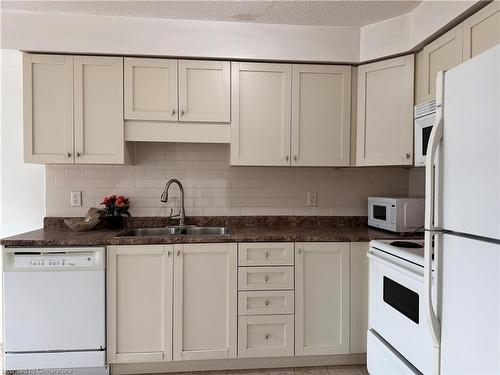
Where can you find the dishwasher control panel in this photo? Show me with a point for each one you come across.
(54, 261)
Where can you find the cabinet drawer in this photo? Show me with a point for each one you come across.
(265, 336)
(266, 302)
(265, 254)
(262, 278)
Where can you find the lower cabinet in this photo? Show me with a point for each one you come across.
(154, 288)
(193, 302)
(321, 298)
(205, 301)
(265, 336)
(139, 303)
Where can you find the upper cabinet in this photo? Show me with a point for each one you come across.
(204, 91)
(73, 111)
(476, 34)
(177, 100)
(150, 89)
(321, 115)
(286, 115)
(385, 112)
(261, 109)
(481, 31)
(98, 110)
(177, 90)
(442, 54)
(48, 109)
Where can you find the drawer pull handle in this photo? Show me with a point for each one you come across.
(267, 279)
(268, 336)
(267, 303)
(267, 254)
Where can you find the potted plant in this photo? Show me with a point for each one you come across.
(114, 210)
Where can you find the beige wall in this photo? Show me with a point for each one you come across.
(214, 188)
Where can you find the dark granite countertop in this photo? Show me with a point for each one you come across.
(243, 229)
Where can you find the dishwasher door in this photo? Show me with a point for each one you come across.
(54, 300)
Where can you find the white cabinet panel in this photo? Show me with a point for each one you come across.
(321, 115)
(48, 108)
(139, 303)
(269, 302)
(98, 103)
(385, 113)
(260, 130)
(321, 298)
(359, 296)
(265, 336)
(442, 54)
(265, 278)
(481, 31)
(205, 301)
(150, 89)
(265, 254)
(204, 91)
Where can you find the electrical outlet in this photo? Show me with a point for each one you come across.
(76, 199)
(312, 199)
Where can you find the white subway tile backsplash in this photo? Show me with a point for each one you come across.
(212, 187)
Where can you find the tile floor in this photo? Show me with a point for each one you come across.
(331, 370)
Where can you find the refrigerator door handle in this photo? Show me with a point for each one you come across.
(432, 318)
(434, 140)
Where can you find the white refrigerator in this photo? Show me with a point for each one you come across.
(463, 219)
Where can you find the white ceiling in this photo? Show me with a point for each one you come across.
(317, 13)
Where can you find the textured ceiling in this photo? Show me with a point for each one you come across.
(318, 13)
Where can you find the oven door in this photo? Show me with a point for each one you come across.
(423, 128)
(396, 308)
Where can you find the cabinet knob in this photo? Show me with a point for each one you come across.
(268, 336)
(286, 158)
(169, 253)
(295, 158)
(178, 252)
(173, 112)
(300, 251)
(78, 155)
(266, 278)
(407, 155)
(267, 254)
(69, 154)
(267, 302)
(182, 112)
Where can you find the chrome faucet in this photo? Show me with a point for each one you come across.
(164, 199)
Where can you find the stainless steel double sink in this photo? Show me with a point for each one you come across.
(186, 230)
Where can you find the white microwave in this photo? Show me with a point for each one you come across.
(396, 214)
(425, 117)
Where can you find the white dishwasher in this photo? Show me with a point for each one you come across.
(54, 308)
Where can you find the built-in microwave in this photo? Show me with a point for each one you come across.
(425, 116)
(396, 214)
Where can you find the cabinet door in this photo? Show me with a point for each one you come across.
(260, 130)
(98, 95)
(442, 54)
(359, 296)
(150, 89)
(481, 31)
(385, 112)
(321, 115)
(48, 108)
(139, 303)
(321, 298)
(204, 91)
(205, 301)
